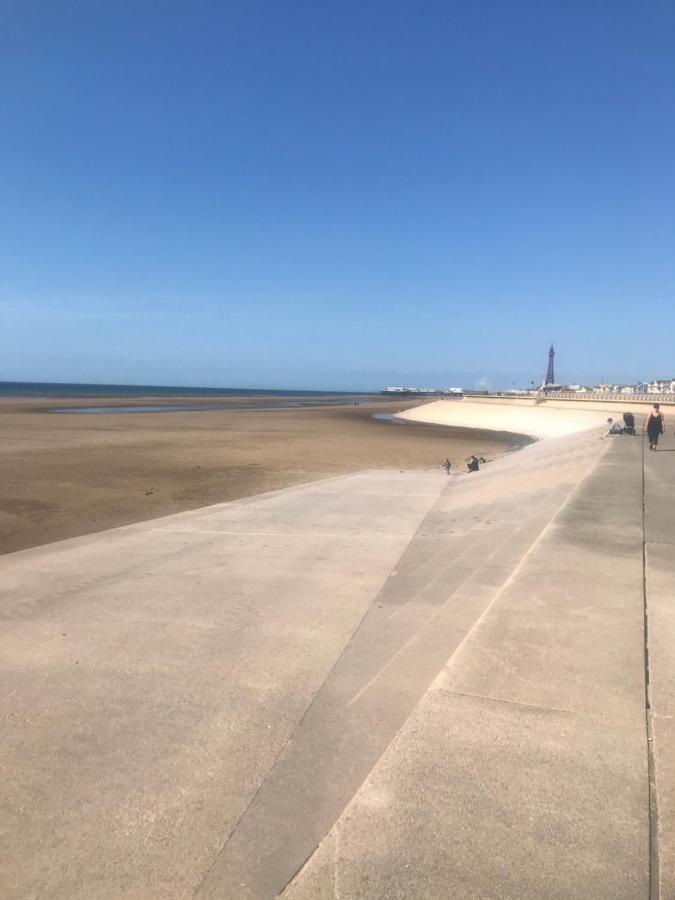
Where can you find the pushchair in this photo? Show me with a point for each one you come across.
(628, 423)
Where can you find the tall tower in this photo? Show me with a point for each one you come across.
(550, 378)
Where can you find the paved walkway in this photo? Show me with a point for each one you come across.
(151, 675)
(385, 685)
(541, 421)
(522, 773)
(660, 588)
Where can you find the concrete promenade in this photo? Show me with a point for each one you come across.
(516, 416)
(659, 471)
(386, 685)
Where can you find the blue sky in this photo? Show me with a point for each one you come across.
(336, 195)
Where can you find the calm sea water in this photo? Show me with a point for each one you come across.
(49, 389)
(276, 399)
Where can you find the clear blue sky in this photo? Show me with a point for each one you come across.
(336, 194)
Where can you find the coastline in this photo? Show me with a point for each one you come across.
(513, 439)
(65, 475)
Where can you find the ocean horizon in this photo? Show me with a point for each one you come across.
(75, 389)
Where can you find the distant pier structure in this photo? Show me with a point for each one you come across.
(550, 377)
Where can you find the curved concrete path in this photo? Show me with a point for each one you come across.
(517, 417)
(392, 684)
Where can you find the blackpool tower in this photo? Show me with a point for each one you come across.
(550, 378)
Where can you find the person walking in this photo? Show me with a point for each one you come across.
(654, 426)
(446, 465)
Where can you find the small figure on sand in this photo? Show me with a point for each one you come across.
(654, 426)
(472, 464)
(446, 465)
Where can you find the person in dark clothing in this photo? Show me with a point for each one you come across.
(472, 465)
(654, 426)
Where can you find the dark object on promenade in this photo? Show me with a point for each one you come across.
(446, 465)
(472, 464)
(654, 426)
(628, 423)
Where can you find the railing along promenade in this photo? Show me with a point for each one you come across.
(610, 395)
(604, 396)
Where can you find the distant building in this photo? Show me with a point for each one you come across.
(454, 392)
(550, 376)
(550, 383)
(605, 388)
(661, 386)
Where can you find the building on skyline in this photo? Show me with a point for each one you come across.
(550, 376)
(550, 382)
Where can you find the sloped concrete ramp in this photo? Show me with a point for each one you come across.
(523, 772)
(392, 684)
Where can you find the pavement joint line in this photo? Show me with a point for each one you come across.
(298, 725)
(451, 565)
(474, 529)
(652, 794)
(286, 534)
(525, 558)
(153, 522)
(435, 615)
(509, 702)
(564, 502)
(252, 840)
(489, 516)
(337, 893)
(310, 487)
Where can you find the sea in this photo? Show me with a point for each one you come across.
(278, 399)
(54, 389)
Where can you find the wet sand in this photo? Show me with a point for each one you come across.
(64, 475)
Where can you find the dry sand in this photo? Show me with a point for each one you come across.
(67, 475)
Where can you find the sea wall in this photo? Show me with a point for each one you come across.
(635, 403)
(520, 417)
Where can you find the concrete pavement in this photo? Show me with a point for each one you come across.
(151, 675)
(522, 772)
(518, 417)
(659, 471)
(384, 685)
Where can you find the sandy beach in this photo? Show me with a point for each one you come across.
(64, 475)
